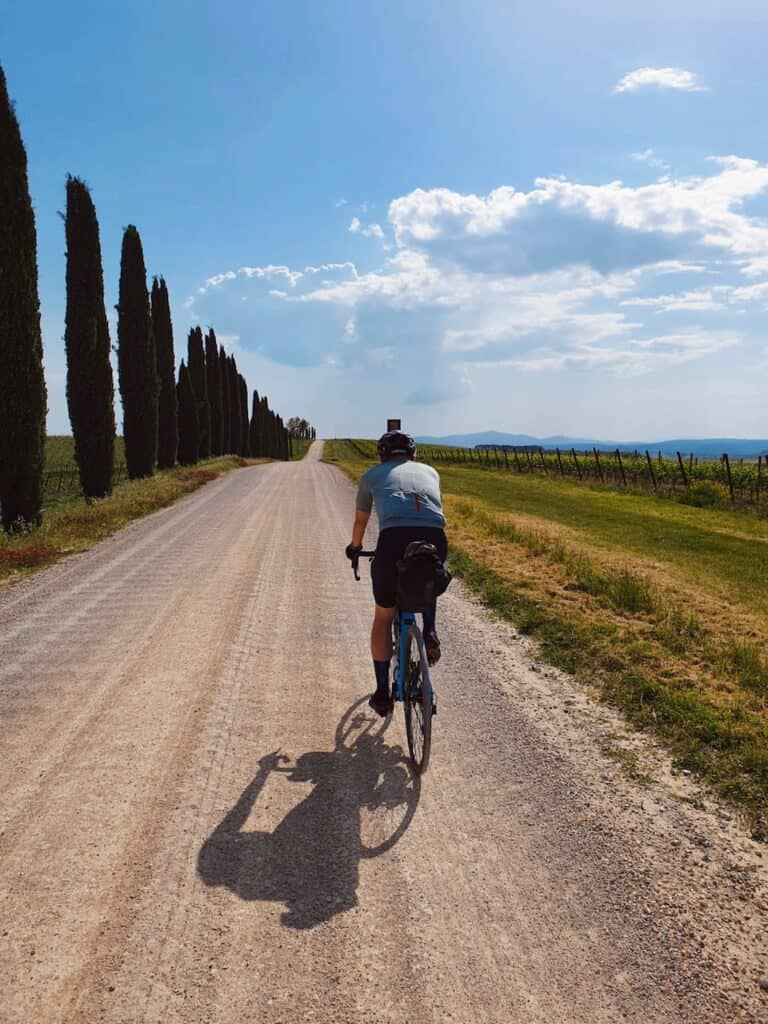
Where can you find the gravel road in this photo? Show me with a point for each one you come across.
(201, 822)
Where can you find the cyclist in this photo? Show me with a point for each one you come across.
(409, 507)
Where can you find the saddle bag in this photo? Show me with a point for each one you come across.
(421, 577)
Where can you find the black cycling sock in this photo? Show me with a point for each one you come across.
(429, 616)
(381, 668)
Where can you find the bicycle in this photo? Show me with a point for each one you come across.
(411, 684)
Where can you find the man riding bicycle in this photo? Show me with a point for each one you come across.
(409, 508)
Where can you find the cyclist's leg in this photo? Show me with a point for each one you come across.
(429, 616)
(384, 578)
(381, 633)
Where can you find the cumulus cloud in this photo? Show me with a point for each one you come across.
(659, 78)
(564, 276)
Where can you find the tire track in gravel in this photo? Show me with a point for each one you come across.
(203, 823)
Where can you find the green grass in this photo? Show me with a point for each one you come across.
(725, 551)
(300, 447)
(658, 607)
(60, 452)
(70, 524)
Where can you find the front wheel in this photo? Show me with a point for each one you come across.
(417, 706)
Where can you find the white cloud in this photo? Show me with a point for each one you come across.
(338, 203)
(661, 78)
(751, 293)
(648, 156)
(356, 227)
(350, 331)
(560, 221)
(635, 357)
(699, 300)
(566, 275)
(292, 276)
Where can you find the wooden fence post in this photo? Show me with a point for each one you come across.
(517, 461)
(621, 467)
(599, 467)
(528, 457)
(650, 468)
(682, 469)
(506, 459)
(496, 456)
(559, 462)
(576, 463)
(727, 462)
(759, 468)
(543, 460)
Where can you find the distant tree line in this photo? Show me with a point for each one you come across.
(301, 429)
(200, 413)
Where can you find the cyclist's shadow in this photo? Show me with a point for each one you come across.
(310, 861)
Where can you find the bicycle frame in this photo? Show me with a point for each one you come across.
(404, 622)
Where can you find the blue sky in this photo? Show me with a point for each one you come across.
(546, 218)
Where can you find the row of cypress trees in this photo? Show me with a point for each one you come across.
(213, 407)
(204, 412)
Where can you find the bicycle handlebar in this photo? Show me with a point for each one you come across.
(356, 560)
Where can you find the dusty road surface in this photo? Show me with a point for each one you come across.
(200, 822)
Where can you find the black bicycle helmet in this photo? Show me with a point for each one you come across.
(395, 442)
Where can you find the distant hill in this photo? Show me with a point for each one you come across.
(708, 447)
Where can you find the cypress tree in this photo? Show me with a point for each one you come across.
(266, 428)
(215, 392)
(253, 431)
(167, 411)
(136, 361)
(234, 405)
(90, 388)
(188, 426)
(196, 368)
(22, 386)
(245, 441)
(226, 432)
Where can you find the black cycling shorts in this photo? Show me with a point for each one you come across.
(390, 549)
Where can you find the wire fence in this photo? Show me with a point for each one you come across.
(66, 479)
(737, 480)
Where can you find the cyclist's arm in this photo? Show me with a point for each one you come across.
(358, 528)
(364, 504)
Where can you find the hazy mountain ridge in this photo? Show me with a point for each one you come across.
(708, 447)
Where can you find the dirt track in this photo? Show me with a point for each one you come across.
(200, 822)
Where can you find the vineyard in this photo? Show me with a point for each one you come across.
(693, 480)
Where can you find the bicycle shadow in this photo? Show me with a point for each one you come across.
(310, 862)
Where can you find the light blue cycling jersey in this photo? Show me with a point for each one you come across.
(405, 493)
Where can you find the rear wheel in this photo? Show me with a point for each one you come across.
(418, 707)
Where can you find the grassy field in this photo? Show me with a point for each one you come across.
(71, 524)
(659, 607)
(60, 452)
(300, 447)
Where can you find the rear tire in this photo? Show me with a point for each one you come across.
(417, 705)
